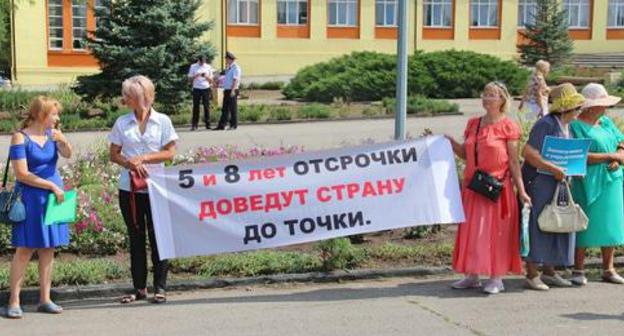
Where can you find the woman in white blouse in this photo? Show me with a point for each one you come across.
(141, 137)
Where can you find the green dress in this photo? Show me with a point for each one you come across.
(600, 193)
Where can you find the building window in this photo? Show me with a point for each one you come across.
(578, 13)
(79, 24)
(343, 13)
(55, 24)
(292, 12)
(484, 13)
(438, 13)
(386, 13)
(243, 12)
(616, 14)
(527, 11)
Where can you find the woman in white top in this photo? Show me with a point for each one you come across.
(141, 137)
(536, 97)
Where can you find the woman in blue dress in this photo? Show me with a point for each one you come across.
(34, 152)
(547, 249)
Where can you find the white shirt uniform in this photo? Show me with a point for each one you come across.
(200, 82)
(159, 132)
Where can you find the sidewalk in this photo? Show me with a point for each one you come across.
(396, 306)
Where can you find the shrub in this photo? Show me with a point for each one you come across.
(463, 74)
(258, 263)
(367, 76)
(339, 254)
(275, 85)
(280, 113)
(76, 272)
(252, 112)
(422, 106)
(315, 111)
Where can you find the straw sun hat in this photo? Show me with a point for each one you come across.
(565, 98)
(597, 95)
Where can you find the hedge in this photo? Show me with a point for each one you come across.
(371, 76)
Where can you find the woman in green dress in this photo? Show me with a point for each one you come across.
(600, 192)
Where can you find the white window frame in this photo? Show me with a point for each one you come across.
(394, 18)
(615, 7)
(78, 4)
(297, 17)
(356, 7)
(484, 5)
(50, 27)
(428, 6)
(580, 4)
(526, 8)
(249, 12)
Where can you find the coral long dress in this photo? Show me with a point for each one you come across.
(488, 242)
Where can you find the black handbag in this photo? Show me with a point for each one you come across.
(482, 182)
(12, 209)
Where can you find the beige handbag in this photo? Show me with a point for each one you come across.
(562, 219)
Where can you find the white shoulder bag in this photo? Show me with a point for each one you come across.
(562, 219)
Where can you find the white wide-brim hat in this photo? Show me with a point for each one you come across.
(597, 95)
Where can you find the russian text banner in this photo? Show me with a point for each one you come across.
(276, 201)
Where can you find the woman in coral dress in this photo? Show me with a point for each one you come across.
(488, 242)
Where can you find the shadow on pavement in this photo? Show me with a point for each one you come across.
(593, 317)
(435, 288)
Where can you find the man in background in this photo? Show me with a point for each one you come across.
(200, 74)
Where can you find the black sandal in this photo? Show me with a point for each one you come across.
(159, 298)
(133, 297)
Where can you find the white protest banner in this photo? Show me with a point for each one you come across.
(243, 205)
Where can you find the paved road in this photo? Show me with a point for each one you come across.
(312, 135)
(399, 306)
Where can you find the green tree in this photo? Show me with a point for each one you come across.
(546, 35)
(5, 36)
(155, 38)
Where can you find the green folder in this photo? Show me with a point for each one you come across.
(64, 212)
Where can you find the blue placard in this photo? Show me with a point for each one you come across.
(569, 154)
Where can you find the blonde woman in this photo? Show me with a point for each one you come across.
(488, 242)
(536, 97)
(140, 137)
(34, 152)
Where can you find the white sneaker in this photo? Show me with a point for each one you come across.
(536, 284)
(494, 286)
(467, 282)
(556, 280)
(612, 277)
(578, 278)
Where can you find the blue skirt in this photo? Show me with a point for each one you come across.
(551, 249)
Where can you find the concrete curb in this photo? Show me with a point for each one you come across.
(66, 293)
(31, 295)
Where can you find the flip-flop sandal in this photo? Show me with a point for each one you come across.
(159, 298)
(50, 308)
(133, 297)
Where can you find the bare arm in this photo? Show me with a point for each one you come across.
(533, 157)
(514, 167)
(597, 158)
(64, 147)
(166, 154)
(458, 148)
(136, 163)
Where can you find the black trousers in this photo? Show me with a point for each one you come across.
(138, 254)
(229, 112)
(204, 96)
